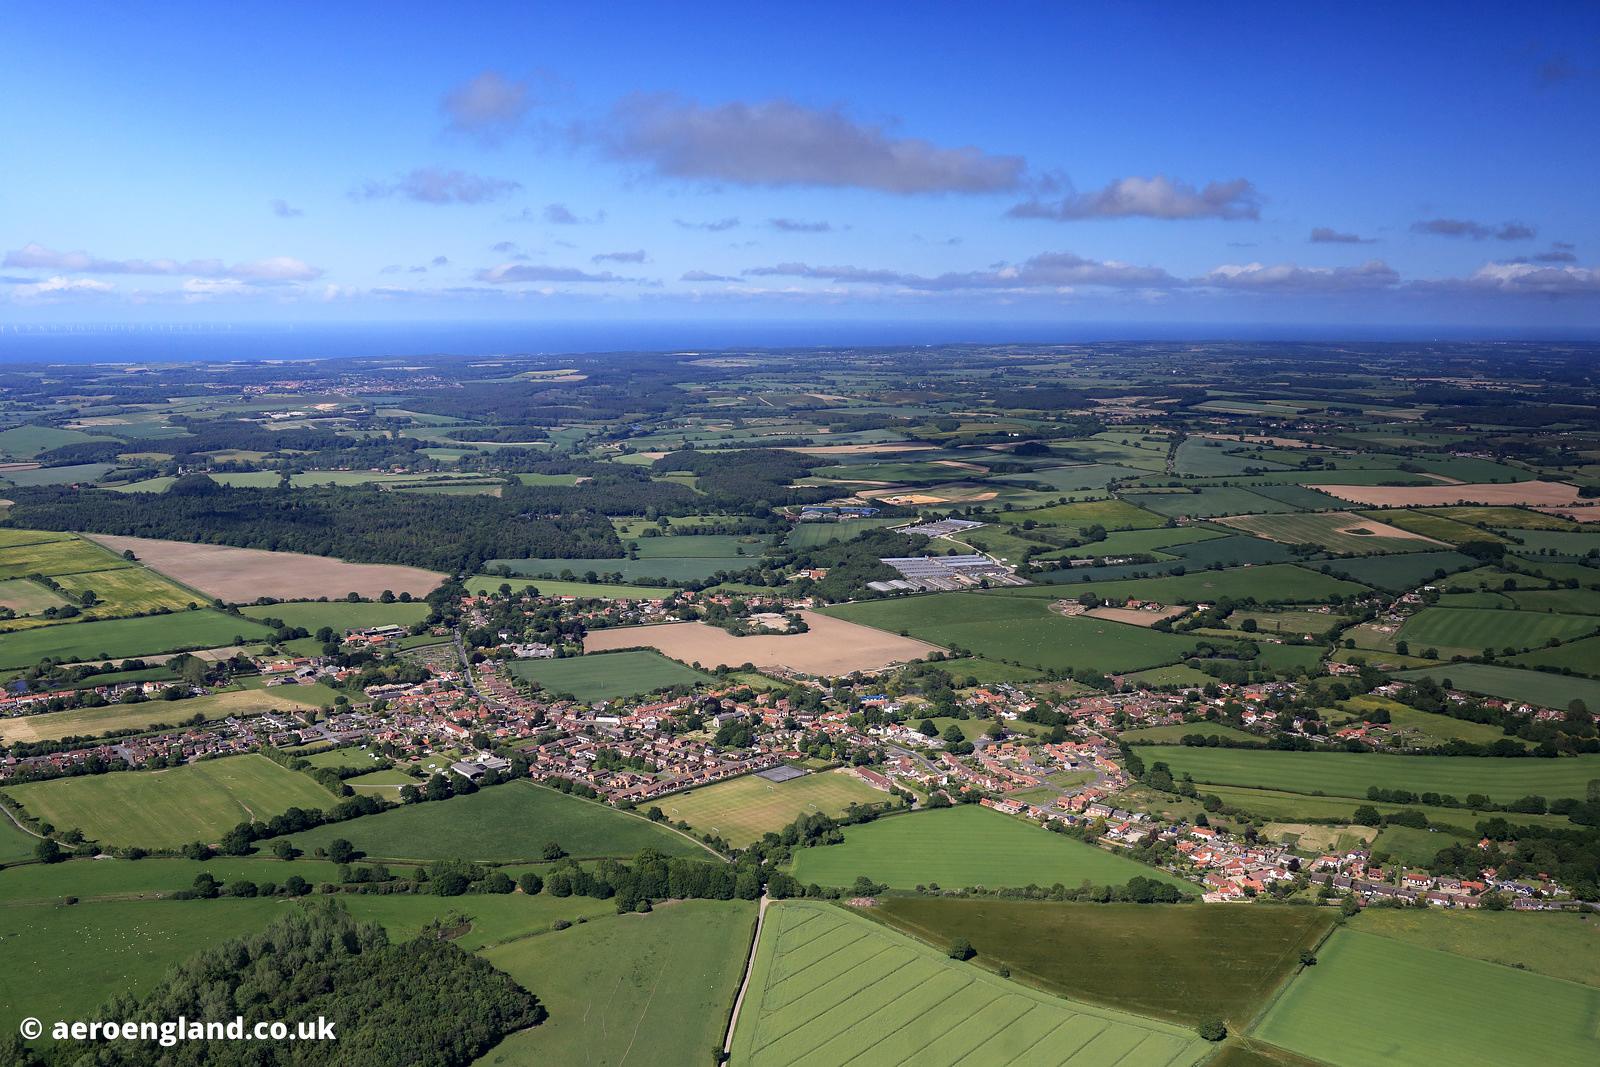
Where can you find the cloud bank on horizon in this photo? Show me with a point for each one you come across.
(635, 162)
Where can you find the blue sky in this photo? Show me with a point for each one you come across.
(1052, 163)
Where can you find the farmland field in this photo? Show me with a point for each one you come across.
(117, 638)
(129, 590)
(630, 989)
(1536, 687)
(833, 645)
(166, 809)
(241, 575)
(54, 725)
(1565, 945)
(1350, 774)
(1479, 628)
(1293, 807)
(1495, 493)
(485, 583)
(501, 824)
(965, 846)
(27, 598)
(1172, 734)
(607, 676)
(1419, 1006)
(1019, 628)
(63, 963)
(1112, 514)
(1337, 531)
(52, 554)
(15, 845)
(1279, 583)
(1174, 962)
(831, 988)
(741, 810)
(342, 616)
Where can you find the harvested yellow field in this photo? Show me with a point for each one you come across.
(1535, 493)
(240, 575)
(830, 647)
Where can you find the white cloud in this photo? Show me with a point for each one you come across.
(1159, 197)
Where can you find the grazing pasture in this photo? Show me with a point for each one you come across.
(1020, 628)
(121, 638)
(240, 575)
(742, 809)
(831, 987)
(1562, 945)
(64, 962)
(1351, 774)
(166, 809)
(1401, 570)
(501, 824)
(1175, 962)
(1509, 683)
(1372, 1000)
(629, 989)
(834, 644)
(965, 846)
(607, 676)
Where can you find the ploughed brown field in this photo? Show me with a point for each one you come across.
(831, 646)
(240, 575)
(1534, 493)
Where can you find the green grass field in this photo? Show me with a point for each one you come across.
(1581, 655)
(1474, 629)
(116, 638)
(130, 591)
(1399, 571)
(1208, 502)
(1510, 683)
(831, 987)
(1273, 583)
(501, 824)
(1179, 674)
(1175, 962)
(488, 583)
(341, 615)
(1336, 531)
(1171, 735)
(27, 598)
(965, 846)
(630, 989)
(15, 845)
(1112, 514)
(1565, 945)
(165, 809)
(53, 726)
(51, 554)
(1412, 847)
(1296, 807)
(1374, 1000)
(1019, 628)
(741, 810)
(147, 879)
(1351, 774)
(64, 962)
(605, 676)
